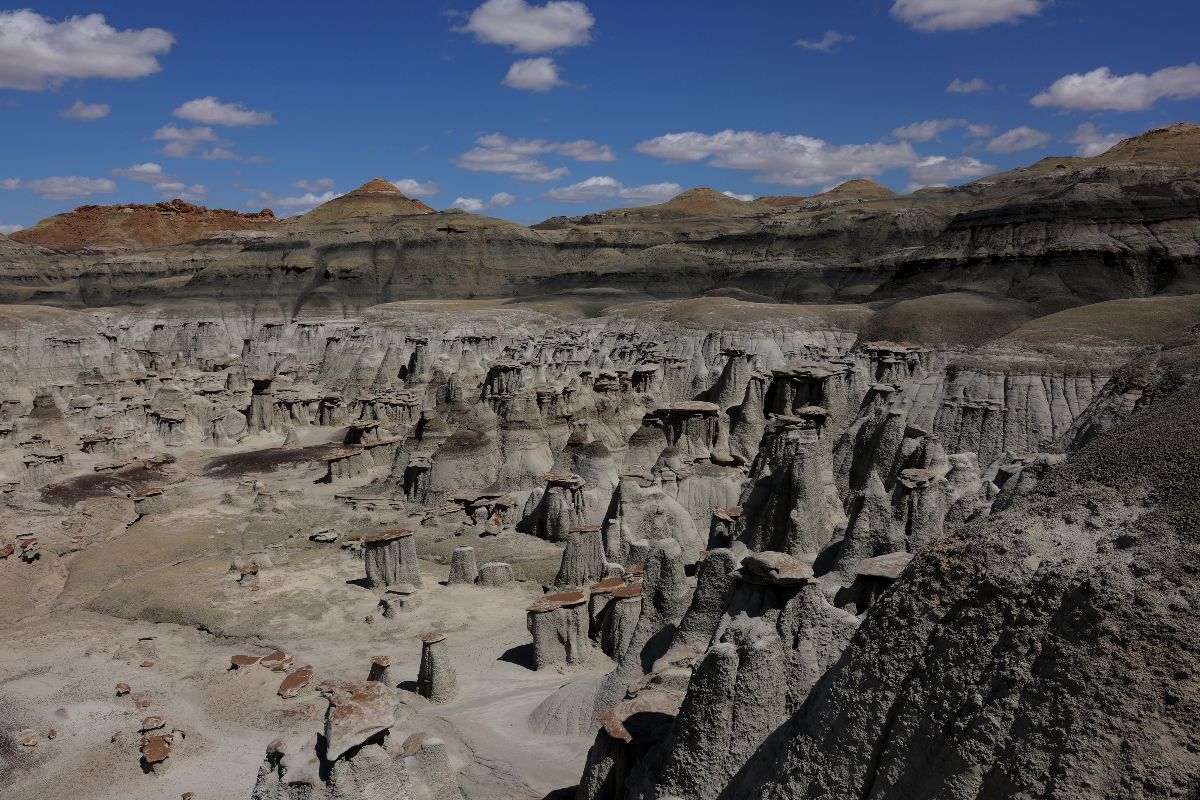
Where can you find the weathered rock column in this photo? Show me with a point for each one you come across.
(391, 558)
(583, 558)
(436, 679)
(462, 565)
(381, 670)
(559, 625)
(495, 573)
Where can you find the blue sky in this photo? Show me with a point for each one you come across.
(526, 109)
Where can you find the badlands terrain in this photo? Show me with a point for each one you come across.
(851, 495)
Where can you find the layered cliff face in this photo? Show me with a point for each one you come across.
(1066, 231)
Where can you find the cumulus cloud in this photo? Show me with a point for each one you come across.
(980, 131)
(531, 28)
(1100, 89)
(604, 186)
(475, 204)
(827, 43)
(220, 154)
(959, 86)
(1017, 139)
(211, 111)
(471, 204)
(519, 157)
(318, 185)
(957, 15)
(416, 188)
(36, 51)
(794, 160)
(533, 75)
(929, 129)
(62, 187)
(7, 229)
(1092, 142)
(143, 173)
(86, 111)
(938, 170)
(178, 190)
(298, 204)
(736, 196)
(182, 142)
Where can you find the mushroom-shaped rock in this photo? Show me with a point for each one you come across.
(381, 670)
(559, 625)
(774, 568)
(391, 558)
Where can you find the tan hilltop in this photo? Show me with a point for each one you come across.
(375, 198)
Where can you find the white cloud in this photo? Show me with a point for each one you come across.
(929, 129)
(220, 154)
(957, 15)
(318, 185)
(471, 204)
(474, 204)
(979, 131)
(1092, 142)
(827, 43)
(86, 111)
(585, 150)
(143, 173)
(211, 111)
(533, 74)
(181, 142)
(777, 158)
(178, 190)
(298, 204)
(1101, 89)
(518, 157)
(62, 187)
(1017, 139)
(7, 229)
(530, 28)
(958, 86)
(604, 186)
(36, 51)
(736, 196)
(416, 188)
(502, 199)
(937, 170)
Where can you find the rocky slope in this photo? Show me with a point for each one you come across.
(136, 227)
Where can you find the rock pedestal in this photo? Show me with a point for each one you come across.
(583, 558)
(391, 558)
(495, 573)
(559, 625)
(462, 565)
(436, 679)
(381, 670)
